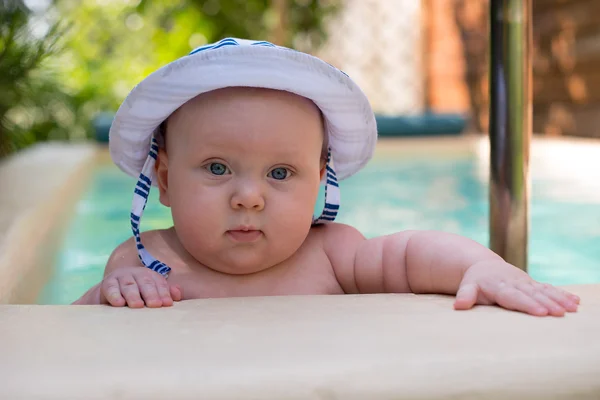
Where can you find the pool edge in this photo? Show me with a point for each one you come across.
(43, 184)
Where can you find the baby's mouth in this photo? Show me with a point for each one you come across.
(244, 234)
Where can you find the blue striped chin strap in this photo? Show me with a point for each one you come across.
(144, 183)
(332, 194)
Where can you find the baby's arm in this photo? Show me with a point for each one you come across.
(440, 263)
(127, 282)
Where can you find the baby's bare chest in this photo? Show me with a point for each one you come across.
(307, 275)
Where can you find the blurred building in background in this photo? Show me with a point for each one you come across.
(432, 55)
(379, 43)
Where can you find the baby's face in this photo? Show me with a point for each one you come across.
(241, 174)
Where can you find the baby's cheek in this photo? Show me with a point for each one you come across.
(287, 231)
(292, 215)
(197, 212)
(198, 233)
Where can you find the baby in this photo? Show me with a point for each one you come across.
(238, 136)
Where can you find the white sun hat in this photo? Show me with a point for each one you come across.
(349, 119)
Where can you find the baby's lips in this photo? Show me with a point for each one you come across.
(245, 227)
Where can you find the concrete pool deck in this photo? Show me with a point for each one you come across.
(306, 347)
(374, 346)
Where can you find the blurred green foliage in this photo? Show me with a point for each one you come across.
(58, 82)
(28, 96)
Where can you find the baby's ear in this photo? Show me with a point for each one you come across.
(161, 170)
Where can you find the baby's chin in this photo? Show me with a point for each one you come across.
(244, 262)
(233, 258)
(241, 267)
(238, 270)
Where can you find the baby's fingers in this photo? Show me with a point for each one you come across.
(176, 293)
(148, 288)
(131, 291)
(111, 292)
(561, 298)
(556, 300)
(466, 297)
(512, 298)
(536, 291)
(163, 290)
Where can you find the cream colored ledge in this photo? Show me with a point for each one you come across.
(330, 347)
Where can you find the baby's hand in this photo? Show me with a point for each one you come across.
(136, 286)
(497, 282)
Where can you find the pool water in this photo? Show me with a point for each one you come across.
(389, 195)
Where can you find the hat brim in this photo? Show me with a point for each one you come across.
(348, 115)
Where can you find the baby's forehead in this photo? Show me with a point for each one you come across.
(226, 99)
(224, 96)
(218, 108)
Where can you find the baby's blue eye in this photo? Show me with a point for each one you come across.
(217, 168)
(279, 173)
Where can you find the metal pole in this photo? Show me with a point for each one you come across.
(510, 128)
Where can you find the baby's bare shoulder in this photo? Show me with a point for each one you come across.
(339, 241)
(336, 235)
(126, 255)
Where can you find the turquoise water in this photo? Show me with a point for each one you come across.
(388, 196)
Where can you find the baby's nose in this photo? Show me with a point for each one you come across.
(248, 195)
